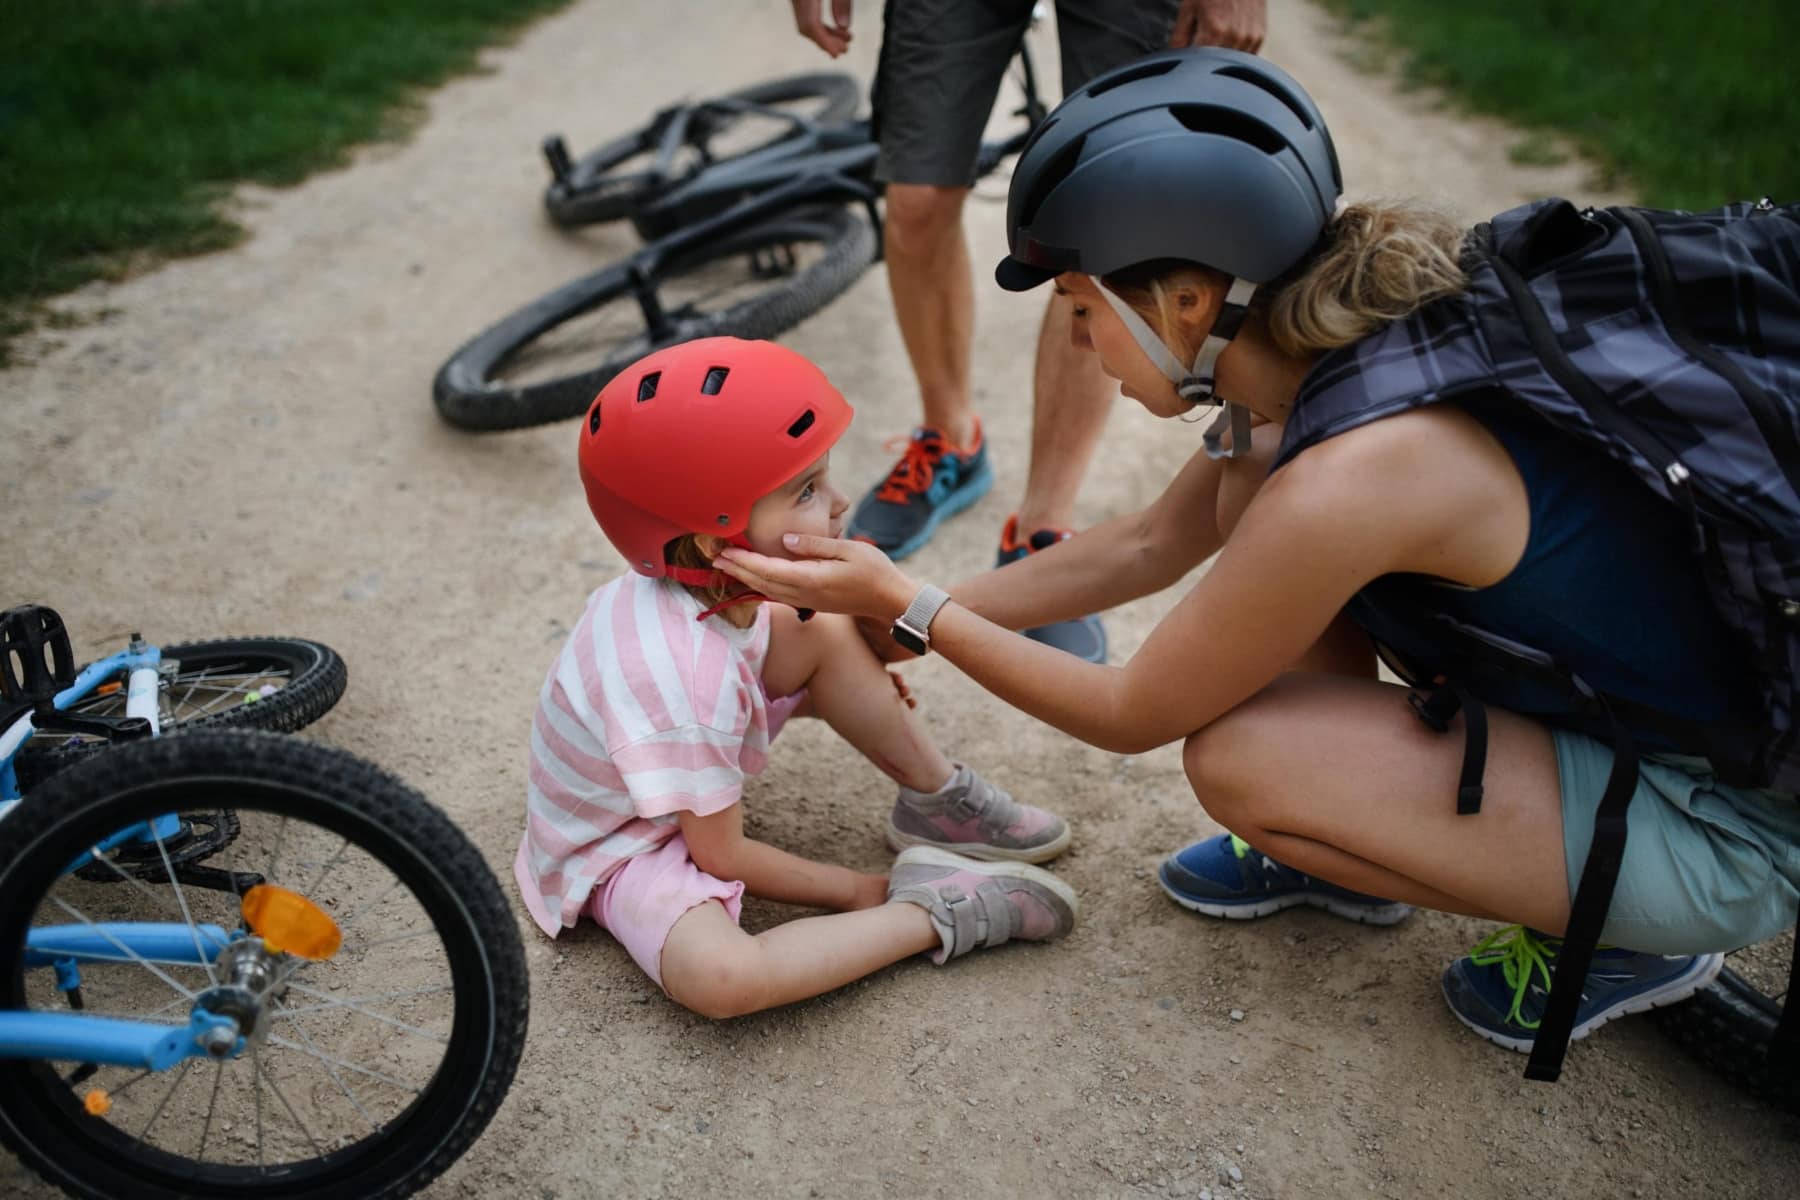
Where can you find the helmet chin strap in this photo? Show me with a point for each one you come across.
(1195, 384)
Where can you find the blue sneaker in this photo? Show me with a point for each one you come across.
(1501, 987)
(1224, 876)
(1084, 637)
(932, 480)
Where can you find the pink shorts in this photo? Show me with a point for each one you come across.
(641, 901)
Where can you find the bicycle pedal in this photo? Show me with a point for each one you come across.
(36, 660)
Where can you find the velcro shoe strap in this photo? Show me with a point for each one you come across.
(978, 921)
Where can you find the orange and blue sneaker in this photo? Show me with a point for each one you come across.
(933, 480)
(1501, 987)
(1084, 637)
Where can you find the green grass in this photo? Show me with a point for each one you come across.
(1689, 104)
(122, 122)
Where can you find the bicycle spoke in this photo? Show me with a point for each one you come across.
(130, 954)
(398, 937)
(357, 914)
(328, 868)
(275, 851)
(133, 880)
(275, 1040)
(376, 1016)
(211, 1105)
(163, 1103)
(290, 1010)
(181, 899)
(264, 1073)
(331, 1070)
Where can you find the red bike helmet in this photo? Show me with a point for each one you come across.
(686, 439)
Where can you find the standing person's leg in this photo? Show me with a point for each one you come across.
(940, 69)
(1071, 396)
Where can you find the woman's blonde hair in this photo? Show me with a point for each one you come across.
(685, 551)
(1374, 262)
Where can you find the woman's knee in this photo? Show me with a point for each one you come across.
(1229, 761)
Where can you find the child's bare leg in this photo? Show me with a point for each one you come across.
(851, 690)
(713, 967)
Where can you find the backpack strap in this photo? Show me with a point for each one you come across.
(1587, 913)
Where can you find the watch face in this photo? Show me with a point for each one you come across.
(908, 638)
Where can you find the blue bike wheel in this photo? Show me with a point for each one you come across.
(359, 1064)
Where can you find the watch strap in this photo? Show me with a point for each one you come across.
(924, 607)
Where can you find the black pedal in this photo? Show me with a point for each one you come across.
(36, 660)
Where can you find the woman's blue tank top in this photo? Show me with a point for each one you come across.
(1607, 584)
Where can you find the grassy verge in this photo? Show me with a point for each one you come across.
(121, 121)
(1690, 104)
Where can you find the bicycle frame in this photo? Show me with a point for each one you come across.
(104, 1040)
(141, 660)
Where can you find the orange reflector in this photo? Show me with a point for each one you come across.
(97, 1103)
(289, 923)
(107, 689)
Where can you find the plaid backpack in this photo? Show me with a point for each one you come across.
(1669, 341)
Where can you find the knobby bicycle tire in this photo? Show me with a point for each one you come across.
(470, 394)
(293, 783)
(1730, 1024)
(314, 676)
(598, 189)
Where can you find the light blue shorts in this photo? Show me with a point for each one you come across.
(1707, 866)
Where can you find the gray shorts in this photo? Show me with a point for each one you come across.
(942, 62)
(1707, 866)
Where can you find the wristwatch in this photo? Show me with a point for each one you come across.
(913, 629)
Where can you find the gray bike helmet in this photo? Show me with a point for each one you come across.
(1207, 155)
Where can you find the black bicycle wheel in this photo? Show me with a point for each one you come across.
(1730, 1024)
(609, 183)
(364, 1071)
(549, 359)
(274, 683)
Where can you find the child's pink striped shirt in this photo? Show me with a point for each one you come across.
(645, 713)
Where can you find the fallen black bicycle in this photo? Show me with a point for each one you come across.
(760, 207)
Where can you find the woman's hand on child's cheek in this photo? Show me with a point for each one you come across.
(829, 574)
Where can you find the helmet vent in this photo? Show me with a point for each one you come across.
(804, 423)
(647, 386)
(1228, 122)
(1257, 79)
(594, 419)
(1147, 70)
(715, 381)
(1057, 171)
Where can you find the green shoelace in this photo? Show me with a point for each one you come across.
(1239, 846)
(1521, 954)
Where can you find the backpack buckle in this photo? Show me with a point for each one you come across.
(1437, 709)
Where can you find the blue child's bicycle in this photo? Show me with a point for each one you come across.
(233, 964)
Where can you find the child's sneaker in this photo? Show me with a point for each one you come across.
(933, 480)
(976, 819)
(1499, 989)
(1224, 876)
(974, 904)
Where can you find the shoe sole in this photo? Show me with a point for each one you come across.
(972, 490)
(1704, 969)
(900, 841)
(933, 856)
(1387, 914)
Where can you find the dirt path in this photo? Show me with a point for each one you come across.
(247, 445)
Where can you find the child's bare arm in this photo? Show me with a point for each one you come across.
(718, 846)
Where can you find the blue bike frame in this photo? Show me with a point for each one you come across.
(73, 1036)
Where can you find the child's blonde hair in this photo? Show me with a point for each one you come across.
(685, 551)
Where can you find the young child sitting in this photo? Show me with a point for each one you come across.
(674, 682)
